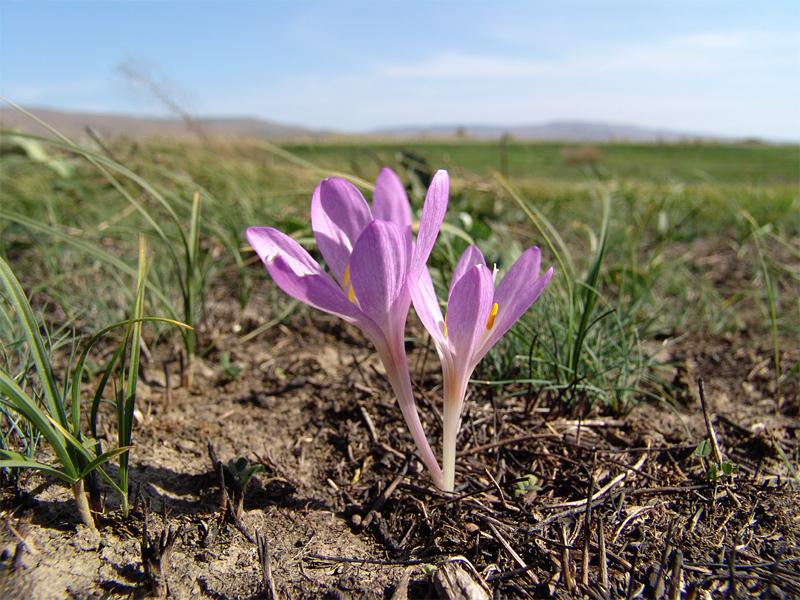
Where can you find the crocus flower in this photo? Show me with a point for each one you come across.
(370, 254)
(477, 316)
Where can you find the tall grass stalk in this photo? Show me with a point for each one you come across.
(185, 257)
(126, 381)
(770, 290)
(45, 406)
(45, 409)
(592, 347)
(126, 388)
(186, 273)
(582, 296)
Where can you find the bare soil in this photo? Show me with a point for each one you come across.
(347, 511)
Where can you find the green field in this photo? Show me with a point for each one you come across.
(654, 163)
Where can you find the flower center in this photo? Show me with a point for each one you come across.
(489, 321)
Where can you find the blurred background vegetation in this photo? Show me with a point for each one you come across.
(651, 242)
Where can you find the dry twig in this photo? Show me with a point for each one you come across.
(711, 433)
(156, 555)
(266, 565)
(503, 542)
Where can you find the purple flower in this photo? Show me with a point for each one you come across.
(370, 254)
(477, 316)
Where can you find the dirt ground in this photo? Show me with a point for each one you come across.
(347, 512)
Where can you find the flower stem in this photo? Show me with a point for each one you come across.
(454, 390)
(396, 366)
(452, 423)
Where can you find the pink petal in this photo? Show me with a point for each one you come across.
(297, 274)
(423, 295)
(339, 214)
(270, 243)
(378, 271)
(433, 212)
(390, 201)
(515, 294)
(467, 312)
(471, 257)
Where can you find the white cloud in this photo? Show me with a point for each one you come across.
(713, 40)
(711, 52)
(457, 65)
(38, 93)
(463, 89)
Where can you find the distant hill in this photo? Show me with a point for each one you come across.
(74, 124)
(557, 131)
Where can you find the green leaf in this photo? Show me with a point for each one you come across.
(16, 399)
(80, 365)
(102, 459)
(11, 460)
(236, 467)
(248, 474)
(528, 484)
(30, 327)
(232, 370)
(73, 441)
(241, 472)
(703, 450)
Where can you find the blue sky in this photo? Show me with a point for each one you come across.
(713, 67)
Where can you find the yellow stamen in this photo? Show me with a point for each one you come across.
(351, 294)
(346, 276)
(445, 325)
(492, 315)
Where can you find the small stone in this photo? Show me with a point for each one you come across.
(472, 528)
(86, 539)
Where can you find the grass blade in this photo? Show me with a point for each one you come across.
(15, 398)
(30, 328)
(12, 460)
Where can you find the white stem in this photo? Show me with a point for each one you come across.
(452, 423)
(454, 389)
